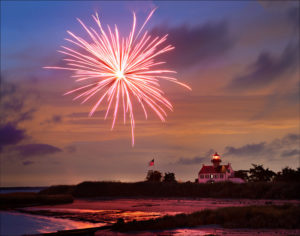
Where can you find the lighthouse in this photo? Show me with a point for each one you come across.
(216, 160)
(217, 172)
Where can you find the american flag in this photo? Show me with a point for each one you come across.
(151, 163)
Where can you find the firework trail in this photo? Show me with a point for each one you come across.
(119, 69)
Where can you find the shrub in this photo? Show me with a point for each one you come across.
(253, 190)
(153, 176)
(230, 217)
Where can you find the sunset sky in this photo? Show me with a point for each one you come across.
(241, 59)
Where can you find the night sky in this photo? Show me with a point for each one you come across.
(241, 59)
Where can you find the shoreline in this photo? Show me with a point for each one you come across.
(261, 219)
(172, 206)
(109, 210)
(212, 230)
(135, 212)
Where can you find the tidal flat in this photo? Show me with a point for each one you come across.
(97, 212)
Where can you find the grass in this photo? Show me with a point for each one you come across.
(23, 199)
(286, 216)
(257, 190)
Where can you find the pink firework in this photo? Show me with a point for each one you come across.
(119, 69)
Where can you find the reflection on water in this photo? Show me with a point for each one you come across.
(98, 216)
(106, 211)
(214, 230)
(12, 223)
(164, 205)
(110, 210)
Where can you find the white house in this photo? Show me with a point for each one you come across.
(217, 173)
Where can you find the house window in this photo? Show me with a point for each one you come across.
(221, 176)
(201, 176)
(211, 176)
(206, 176)
(216, 176)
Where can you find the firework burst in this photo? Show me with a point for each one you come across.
(119, 69)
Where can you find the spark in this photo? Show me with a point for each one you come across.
(119, 69)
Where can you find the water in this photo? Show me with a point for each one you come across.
(215, 230)
(160, 205)
(78, 214)
(205, 231)
(21, 189)
(13, 224)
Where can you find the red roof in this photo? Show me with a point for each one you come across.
(213, 170)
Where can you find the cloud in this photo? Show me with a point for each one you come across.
(27, 163)
(27, 115)
(195, 160)
(16, 107)
(288, 140)
(289, 153)
(13, 103)
(293, 16)
(196, 44)
(266, 69)
(249, 149)
(53, 120)
(56, 119)
(83, 114)
(70, 149)
(37, 149)
(285, 145)
(191, 161)
(11, 99)
(16, 103)
(10, 135)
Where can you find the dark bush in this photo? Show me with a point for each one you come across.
(153, 176)
(58, 189)
(288, 175)
(169, 177)
(258, 173)
(287, 217)
(253, 190)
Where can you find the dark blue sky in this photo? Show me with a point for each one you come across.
(41, 25)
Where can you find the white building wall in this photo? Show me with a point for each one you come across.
(207, 177)
(227, 176)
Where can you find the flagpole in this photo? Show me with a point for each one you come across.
(153, 164)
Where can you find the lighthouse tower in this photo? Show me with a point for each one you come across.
(216, 160)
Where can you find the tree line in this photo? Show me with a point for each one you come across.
(257, 173)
